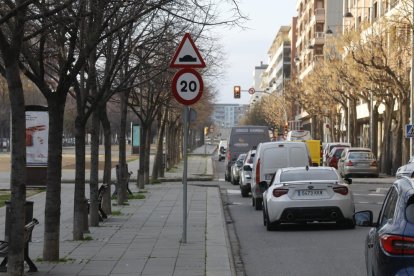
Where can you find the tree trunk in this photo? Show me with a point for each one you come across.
(106, 200)
(18, 168)
(79, 212)
(353, 123)
(374, 142)
(160, 146)
(147, 154)
(51, 244)
(122, 185)
(405, 115)
(142, 150)
(385, 156)
(94, 173)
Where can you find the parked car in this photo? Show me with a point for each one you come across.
(407, 169)
(222, 148)
(235, 169)
(307, 194)
(357, 162)
(389, 246)
(271, 156)
(246, 174)
(241, 140)
(333, 157)
(328, 148)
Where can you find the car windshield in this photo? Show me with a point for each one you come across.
(338, 152)
(360, 155)
(299, 175)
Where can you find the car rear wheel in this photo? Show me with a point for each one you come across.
(244, 191)
(258, 204)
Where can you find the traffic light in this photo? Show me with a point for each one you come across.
(236, 91)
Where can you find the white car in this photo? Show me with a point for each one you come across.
(307, 194)
(407, 169)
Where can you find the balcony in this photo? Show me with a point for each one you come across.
(319, 39)
(320, 15)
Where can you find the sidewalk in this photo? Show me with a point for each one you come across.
(145, 238)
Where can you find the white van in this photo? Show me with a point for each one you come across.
(272, 156)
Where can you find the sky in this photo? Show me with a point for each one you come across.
(245, 49)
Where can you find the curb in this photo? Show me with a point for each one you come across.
(164, 179)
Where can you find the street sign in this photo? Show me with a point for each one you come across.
(251, 91)
(409, 131)
(187, 55)
(187, 86)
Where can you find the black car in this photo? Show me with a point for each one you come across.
(389, 247)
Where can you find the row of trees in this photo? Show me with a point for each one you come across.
(370, 65)
(96, 51)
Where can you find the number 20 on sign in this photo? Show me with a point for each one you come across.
(187, 86)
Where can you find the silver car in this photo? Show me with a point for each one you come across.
(307, 194)
(246, 174)
(407, 169)
(358, 162)
(236, 168)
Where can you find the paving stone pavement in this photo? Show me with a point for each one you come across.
(145, 238)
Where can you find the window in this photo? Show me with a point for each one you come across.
(388, 208)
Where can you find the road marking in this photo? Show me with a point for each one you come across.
(365, 202)
(234, 192)
(369, 194)
(221, 179)
(382, 190)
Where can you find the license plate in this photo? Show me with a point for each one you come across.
(310, 192)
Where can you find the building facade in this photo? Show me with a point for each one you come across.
(257, 79)
(228, 115)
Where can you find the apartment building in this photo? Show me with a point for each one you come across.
(257, 79)
(228, 115)
(315, 18)
(279, 59)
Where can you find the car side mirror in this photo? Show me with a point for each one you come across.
(348, 180)
(247, 168)
(364, 218)
(263, 186)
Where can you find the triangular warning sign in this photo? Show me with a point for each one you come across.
(187, 55)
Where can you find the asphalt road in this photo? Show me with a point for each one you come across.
(313, 249)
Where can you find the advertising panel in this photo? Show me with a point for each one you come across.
(37, 130)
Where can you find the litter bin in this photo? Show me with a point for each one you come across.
(28, 206)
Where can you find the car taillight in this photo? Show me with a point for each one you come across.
(341, 190)
(349, 163)
(397, 245)
(258, 172)
(374, 163)
(279, 192)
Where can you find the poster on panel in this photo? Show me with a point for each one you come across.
(37, 130)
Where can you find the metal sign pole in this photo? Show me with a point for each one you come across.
(185, 121)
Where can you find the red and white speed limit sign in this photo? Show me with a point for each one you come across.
(251, 91)
(187, 86)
